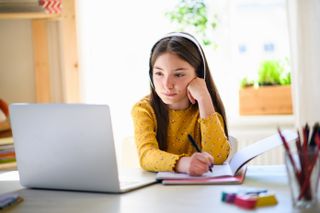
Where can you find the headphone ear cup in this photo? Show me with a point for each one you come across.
(201, 72)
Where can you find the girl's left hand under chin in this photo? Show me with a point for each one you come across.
(196, 89)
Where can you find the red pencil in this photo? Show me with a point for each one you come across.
(306, 183)
(299, 150)
(286, 146)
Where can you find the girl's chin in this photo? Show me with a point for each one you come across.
(166, 101)
(170, 99)
(174, 103)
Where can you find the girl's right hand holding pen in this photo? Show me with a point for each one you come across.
(196, 165)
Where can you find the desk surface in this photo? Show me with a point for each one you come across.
(155, 198)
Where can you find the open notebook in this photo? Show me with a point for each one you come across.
(232, 172)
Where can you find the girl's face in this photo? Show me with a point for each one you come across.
(171, 76)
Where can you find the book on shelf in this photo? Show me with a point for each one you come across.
(7, 154)
(232, 171)
(6, 141)
(16, 6)
(8, 166)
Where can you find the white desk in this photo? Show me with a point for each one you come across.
(155, 198)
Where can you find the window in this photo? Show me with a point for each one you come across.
(114, 51)
(242, 48)
(115, 45)
(268, 47)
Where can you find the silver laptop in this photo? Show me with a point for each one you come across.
(69, 147)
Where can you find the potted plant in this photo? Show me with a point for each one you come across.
(269, 94)
(272, 72)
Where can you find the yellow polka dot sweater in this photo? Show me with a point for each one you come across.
(207, 132)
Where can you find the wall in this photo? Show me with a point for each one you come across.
(304, 16)
(17, 78)
(16, 62)
(17, 74)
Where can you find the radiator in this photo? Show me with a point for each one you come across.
(246, 137)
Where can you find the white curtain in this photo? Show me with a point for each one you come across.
(304, 29)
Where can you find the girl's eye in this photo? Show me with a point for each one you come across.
(179, 74)
(158, 73)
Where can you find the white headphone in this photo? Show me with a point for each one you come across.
(190, 38)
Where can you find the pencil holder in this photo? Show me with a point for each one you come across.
(303, 176)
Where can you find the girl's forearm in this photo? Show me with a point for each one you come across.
(206, 107)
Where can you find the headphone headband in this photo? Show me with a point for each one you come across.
(194, 41)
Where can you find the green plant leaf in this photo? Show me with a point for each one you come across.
(246, 82)
(272, 72)
(193, 14)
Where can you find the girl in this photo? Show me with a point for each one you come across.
(183, 104)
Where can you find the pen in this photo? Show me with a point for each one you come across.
(256, 192)
(195, 145)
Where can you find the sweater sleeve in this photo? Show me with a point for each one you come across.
(214, 140)
(151, 158)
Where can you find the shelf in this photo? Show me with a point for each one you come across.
(29, 15)
(62, 79)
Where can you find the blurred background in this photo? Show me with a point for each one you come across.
(262, 55)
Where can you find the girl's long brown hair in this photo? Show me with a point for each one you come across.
(189, 52)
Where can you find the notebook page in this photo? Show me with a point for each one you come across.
(248, 153)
